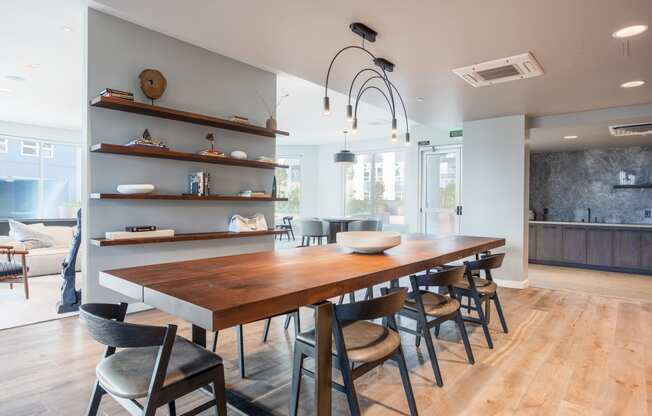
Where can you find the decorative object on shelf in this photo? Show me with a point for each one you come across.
(153, 83)
(627, 178)
(266, 159)
(259, 194)
(274, 190)
(385, 87)
(212, 152)
(344, 157)
(240, 119)
(245, 193)
(140, 228)
(143, 188)
(368, 242)
(270, 123)
(199, 183)
(147, 140)
(110, 92)
(125, 235)
(238, 154)
(239, 224)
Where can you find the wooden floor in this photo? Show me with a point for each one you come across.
(567, 353)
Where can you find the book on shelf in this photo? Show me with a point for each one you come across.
(109, 92)
(126, 235)
(199, 183)
(140, 228)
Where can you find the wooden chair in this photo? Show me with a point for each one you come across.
(359, 346)
(154, 365)
(13, 270)
(430, 310)
(481, 291)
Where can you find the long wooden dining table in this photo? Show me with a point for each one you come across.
(221, 292)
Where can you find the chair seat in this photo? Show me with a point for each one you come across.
(435, 304)
(483, 286)
(10, 269)
(127, 373)
(365, 341)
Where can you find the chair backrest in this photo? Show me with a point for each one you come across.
(105, 324)
(364, 225)
(311, 227)
(379, 307)
(288, 220)
(489, 262)
(441, 278)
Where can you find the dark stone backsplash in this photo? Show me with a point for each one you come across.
(568, 183)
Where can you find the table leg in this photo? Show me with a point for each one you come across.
(199, 335)
(323, 350)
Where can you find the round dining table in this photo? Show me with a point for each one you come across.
(336, 225)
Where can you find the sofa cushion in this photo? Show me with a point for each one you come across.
(61, 235)
(33, 235)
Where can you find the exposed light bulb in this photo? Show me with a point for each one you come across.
(394, 124)
(407, 138)
(354, 126)
(394, 137)
(349, 113)
(327, 106)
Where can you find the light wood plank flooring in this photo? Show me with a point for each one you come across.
(567, 353)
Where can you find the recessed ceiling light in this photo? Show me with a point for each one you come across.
(66, 28)
(632, 84)
(420, 99)
(629, 31)
(15, 78)
(571, 137)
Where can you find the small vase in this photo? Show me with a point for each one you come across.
(271, 123)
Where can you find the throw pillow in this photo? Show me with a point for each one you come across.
(32, 236)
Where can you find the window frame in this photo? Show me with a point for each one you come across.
(50, 151)
(4, 145)
(36, 148)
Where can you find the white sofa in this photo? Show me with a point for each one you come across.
(44, 261)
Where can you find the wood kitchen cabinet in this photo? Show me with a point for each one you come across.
(573, 245)
(532, 241)
(646, 250)
(599, 247)
(627, 249)
(548, 242)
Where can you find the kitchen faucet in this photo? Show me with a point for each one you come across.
(589, 209)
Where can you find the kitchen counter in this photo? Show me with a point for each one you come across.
(593, 224)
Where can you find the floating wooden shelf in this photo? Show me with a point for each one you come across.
(219, 235)
(179, 115)
(642, 186)
(185, 197)
(171, 154)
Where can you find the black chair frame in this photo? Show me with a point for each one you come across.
(105, 323)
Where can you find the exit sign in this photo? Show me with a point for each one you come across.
(453, 134)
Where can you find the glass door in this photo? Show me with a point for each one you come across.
(441, 174)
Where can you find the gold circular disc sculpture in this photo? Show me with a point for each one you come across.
(153, 83)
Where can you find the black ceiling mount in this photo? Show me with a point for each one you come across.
(384, 64)
(364, 31)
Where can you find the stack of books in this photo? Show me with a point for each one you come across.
(255, 194)
(240, 119)
(199, 184)
(109, 92)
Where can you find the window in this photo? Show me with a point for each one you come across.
(288, 184)
(4, 145)
(375, 187)
(41, 180)
(29, 148)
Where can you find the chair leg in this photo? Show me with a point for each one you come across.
(417, 341)
(352, 297)
(297, 367)
(487, 312)
(405, 378)
(369, 294)
(349, 387)
(172, 408)
(465, 337)
(433, 355)
(241, 361)
(215, 341)
(437, 330)
(499, 309)
(286, 324)
(297, 322)
(485, 327)
(219, 391)
(26, 286)
(96, 398)
(268, 321)
(340, 300)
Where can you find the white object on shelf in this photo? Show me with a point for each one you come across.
(127, 235)
(143, 188)
(368, 242)
(238, 154)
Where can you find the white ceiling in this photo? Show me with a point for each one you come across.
(35, 46)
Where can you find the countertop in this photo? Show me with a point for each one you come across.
(593, 224)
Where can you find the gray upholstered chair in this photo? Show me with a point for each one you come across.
(153, 367)
(312, 229)
(365, 225)
(359, 346)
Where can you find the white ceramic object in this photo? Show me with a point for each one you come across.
(368, 242)
(142, 188)
(238, 154)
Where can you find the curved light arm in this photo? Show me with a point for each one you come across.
(407, 125)
(378, 75)
(371, 87)
(392, 106)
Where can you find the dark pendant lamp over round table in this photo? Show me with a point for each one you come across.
(344, 157)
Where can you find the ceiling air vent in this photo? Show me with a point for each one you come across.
(636, 129)
(507, 69)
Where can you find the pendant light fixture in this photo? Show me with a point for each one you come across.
(379, 77)
(344, 157)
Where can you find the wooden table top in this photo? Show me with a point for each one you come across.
(221, 292)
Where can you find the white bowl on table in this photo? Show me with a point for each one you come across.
(368, 242)
(142, 188)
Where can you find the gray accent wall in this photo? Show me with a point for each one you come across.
(199, 81)
(567, 183)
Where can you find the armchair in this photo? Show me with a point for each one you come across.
(13, 268)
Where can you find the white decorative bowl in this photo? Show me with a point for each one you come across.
(143, 188)
(238, 154)
(368, 242)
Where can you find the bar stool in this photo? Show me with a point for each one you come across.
(430, 310)
(153, 364)
(357, 342)
(481, 290)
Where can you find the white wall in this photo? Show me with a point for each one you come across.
(494, 190)
(198, 80)
(309, 175)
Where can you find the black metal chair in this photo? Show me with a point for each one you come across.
(430, 310)
(153, 365)
(357, 342)
(481, 291)
(287, 227)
